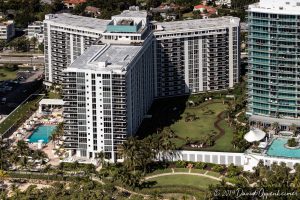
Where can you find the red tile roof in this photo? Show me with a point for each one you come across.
(208, 8)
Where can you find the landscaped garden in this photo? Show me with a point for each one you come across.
(200, 126)
(205, 121)
(21, 113)
(184, 180)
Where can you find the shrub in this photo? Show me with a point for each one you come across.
(233, 171)
(292, 142)
(218, 168)
(200, 165)
(180, 164)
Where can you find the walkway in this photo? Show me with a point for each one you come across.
(237, 120)
(187, 173)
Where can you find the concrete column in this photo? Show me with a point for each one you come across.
(186, 65)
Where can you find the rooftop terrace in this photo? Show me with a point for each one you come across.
(78, 21)
(106, 57)
(196, 24)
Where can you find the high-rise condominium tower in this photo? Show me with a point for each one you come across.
(111, 86)
(274, 65)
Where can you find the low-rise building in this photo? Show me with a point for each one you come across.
(7, 30)
(206, 11)
(35, 29)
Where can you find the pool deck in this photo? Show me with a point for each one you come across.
(270, 142)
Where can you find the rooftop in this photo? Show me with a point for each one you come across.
(132, 14)
(36, 23)
(51, 102)
(66, 19)
(277, 6)
(5, 23)
(197, 24)
(106, 57)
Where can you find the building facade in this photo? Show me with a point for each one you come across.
(274, 71)
(36, 29)
(7, 30)
(111, 72)
(196, 55)
(107, 92)
(66, 37)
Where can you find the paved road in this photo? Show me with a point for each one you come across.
(20, 91)
(21, 60)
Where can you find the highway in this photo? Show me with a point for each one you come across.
(21, 60)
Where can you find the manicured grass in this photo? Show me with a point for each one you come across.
(224, 142)
(53, 95)
(178, 142)
(160, 171)
(200, 171)
(197, 129)
(172, 112)
(215, 174)
(7, 74)
(19, 113)
(184, 180)
(181, 170)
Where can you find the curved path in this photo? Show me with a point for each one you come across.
(237, 120)
(186, 173)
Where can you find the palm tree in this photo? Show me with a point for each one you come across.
(129, 151)
(275, 127)
(166, 148)
(101, 157)
(293, 128)
(15, 190)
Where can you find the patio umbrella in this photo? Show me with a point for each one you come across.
(254, 135)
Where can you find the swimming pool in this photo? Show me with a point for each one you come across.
(278, 149)
(41, 133)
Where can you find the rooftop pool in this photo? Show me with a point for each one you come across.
(41, 133)
(278, 149)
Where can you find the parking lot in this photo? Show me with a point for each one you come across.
(13, 92)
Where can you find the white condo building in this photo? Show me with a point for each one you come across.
(195, 56)
(36, 30)
(107, 92)
(66, 37)
(111, 70)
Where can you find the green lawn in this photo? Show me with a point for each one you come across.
(200, 171)
(160, 171)
(181, 170)
(215, 174)
(207, 115)
(171, 113)
(19, 113)
(224, 142)
(53, 95)
(184, 180)
(7, 74)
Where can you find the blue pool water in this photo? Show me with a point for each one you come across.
(277, 149)
(41, 133)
